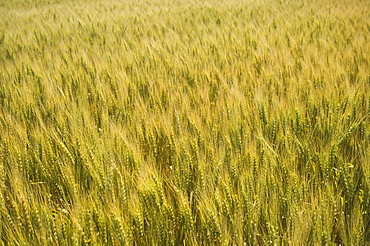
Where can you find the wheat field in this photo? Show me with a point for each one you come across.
(168, 122)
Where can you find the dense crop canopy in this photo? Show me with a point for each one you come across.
(184, 122)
